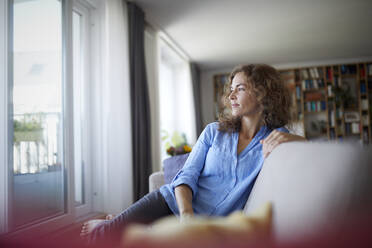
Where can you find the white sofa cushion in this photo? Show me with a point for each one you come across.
(313, 187)
(156, 180)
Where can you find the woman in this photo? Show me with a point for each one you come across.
(220, 171)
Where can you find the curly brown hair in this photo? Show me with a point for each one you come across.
(270, 91)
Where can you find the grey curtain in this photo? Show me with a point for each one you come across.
(195, 77)
(140, 107)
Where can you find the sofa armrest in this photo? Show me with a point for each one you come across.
(156, 180)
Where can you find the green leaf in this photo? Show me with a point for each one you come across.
(164, 135)
(177, 139)
(167, 145)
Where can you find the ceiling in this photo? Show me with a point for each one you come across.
(223, 33)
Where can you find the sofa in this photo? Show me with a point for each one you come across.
(314, 188)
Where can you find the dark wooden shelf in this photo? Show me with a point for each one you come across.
(348, 75)
(315, 100)
(351, 109)
(313, 89)
(316, 112)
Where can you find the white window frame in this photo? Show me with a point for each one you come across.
(3, 116)
(49, 224)
(83, 9)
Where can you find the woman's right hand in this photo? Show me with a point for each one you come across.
(184, 217)
(183, 195)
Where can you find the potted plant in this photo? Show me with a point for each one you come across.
(28, 130)
(176, 144)
(343, 97)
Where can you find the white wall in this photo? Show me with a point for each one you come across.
(207, 93)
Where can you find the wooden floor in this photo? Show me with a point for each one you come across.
(71, 234)
(68, 236)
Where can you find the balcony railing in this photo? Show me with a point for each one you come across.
(37, 142)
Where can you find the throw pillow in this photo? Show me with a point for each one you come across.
(172, 165)
(233, 230)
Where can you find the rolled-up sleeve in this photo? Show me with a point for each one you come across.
(194, 164)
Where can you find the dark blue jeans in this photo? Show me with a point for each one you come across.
(146, 210)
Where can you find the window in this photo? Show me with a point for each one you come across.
(38, 187)
(45, 173)
(177, 113)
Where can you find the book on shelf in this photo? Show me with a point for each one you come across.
(319, 106)
(311, 74)
(315, 106)
(335, 69)
(348, 128)
(355, 127)
(362, 72)
(363, 88)
(369, 70)
(365, 120)
(310, 84)
(352, 116)
(348, 69)
(314, 73)
(304, 74)
(314, 84)
(321, 83)
(364, 104)
(331, 118)
(330, 91)
(329, 74)
(298, 92)
(343, 69)
(336, 82)
(323, 105)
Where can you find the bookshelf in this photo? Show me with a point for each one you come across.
(331, 102)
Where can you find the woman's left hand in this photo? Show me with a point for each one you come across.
(276, 138)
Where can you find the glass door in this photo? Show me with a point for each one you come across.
(38, 183)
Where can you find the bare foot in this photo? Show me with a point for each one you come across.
(109, 217)
(89, 226)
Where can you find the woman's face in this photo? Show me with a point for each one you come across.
(242, 99)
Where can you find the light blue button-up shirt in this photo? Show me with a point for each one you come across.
(220, 179)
